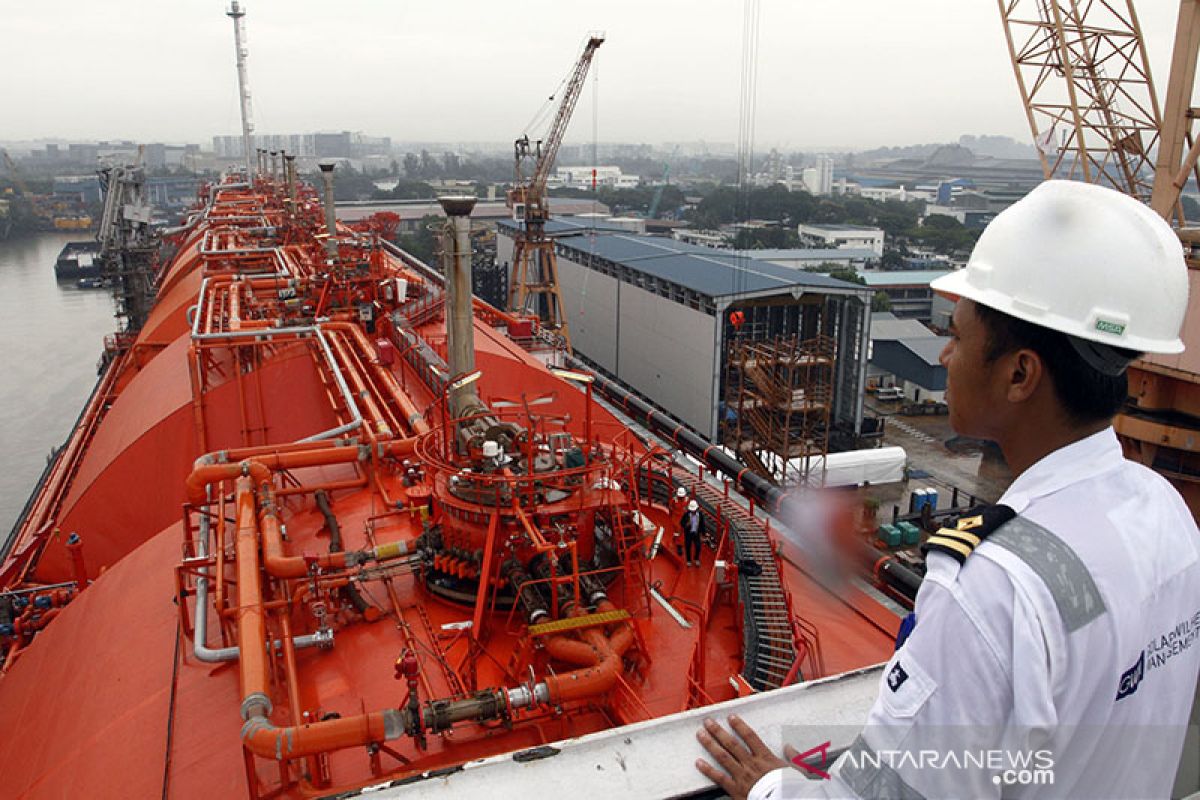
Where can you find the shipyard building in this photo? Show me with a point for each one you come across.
(758, 356)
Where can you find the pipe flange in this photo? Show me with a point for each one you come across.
(255, 700)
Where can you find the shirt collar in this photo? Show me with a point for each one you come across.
(1091, 456)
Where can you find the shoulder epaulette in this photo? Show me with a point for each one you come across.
(968, 532)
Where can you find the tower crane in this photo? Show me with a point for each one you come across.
(533, 285)
(1084, 78)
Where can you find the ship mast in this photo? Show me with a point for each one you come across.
(236, 13)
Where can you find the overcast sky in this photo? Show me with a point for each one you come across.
(832, 73)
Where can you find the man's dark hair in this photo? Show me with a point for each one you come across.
(1087, 394)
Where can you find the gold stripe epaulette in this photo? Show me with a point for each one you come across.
(968, 532)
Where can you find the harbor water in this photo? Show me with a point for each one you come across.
(51, 337)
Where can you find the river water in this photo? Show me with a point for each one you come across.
(51, 336)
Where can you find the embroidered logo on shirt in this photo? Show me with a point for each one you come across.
(1132, 678)
(1159, 652)
(896, 677)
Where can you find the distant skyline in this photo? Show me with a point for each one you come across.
(832, 74)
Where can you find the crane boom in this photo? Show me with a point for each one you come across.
(533, 285)
(1081, 68)
(559, 127)
(1176, 160)
(1084, 79)
(532, 193)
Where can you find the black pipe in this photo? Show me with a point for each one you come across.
(771, 497)
(528, 595)
(335, 530)
(752, 484)
(335, 546)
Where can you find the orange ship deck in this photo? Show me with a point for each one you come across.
(104, 687)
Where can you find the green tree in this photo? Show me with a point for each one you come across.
(412, 166)
(848, 275)
(881, 302)
(943, 234)
(350, 184)
(429, 165)
(423, 242)
(771, 238)
(412, 190)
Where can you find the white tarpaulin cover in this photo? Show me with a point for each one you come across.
(855, 467)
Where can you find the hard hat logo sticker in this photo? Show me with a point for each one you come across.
(1104, 326)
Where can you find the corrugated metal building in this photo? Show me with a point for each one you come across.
(655, 313)
(911, 352)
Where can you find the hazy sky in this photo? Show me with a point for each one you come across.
(844, 73)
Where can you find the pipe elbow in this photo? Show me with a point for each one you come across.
(572, 651)
(258, 471)
(265, 740)
(587, 682)
(203, 475)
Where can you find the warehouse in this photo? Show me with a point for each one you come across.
(658, 314)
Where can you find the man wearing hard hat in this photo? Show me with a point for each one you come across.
(678, 508)
(1059, 628)
(692, 523)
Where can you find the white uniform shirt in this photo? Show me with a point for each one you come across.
(1071, 635)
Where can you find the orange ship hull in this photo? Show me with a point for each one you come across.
(384, 601)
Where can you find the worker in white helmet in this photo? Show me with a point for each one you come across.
(678, 508)
(1057, 632)
(692, 524)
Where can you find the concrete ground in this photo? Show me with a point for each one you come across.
(938, 459)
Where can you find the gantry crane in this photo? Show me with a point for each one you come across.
(1085, 81)
(533, 284)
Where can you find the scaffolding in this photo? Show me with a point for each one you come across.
(778, 403)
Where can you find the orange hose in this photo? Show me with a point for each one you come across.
(598, 655)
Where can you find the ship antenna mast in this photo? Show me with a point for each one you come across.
(237, 14)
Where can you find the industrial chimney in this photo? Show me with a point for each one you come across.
(330, 217)
(289, 175)
(460, 329)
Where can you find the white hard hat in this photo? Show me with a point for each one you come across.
(693, 505)
(1084, 260)
(681, 492)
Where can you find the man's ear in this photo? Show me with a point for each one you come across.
(1026, 373)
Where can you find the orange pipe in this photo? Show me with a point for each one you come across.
(197, 395)
(235, 307)
(331, 486)
(416, 421)
(251, 625)
(275, 562)
(258, 734)
(572, 651)
(361, 389)
(267, 741)
(206, 474)
(598, 655)
(587, 681)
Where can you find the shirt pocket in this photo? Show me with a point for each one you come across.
(906, 686)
